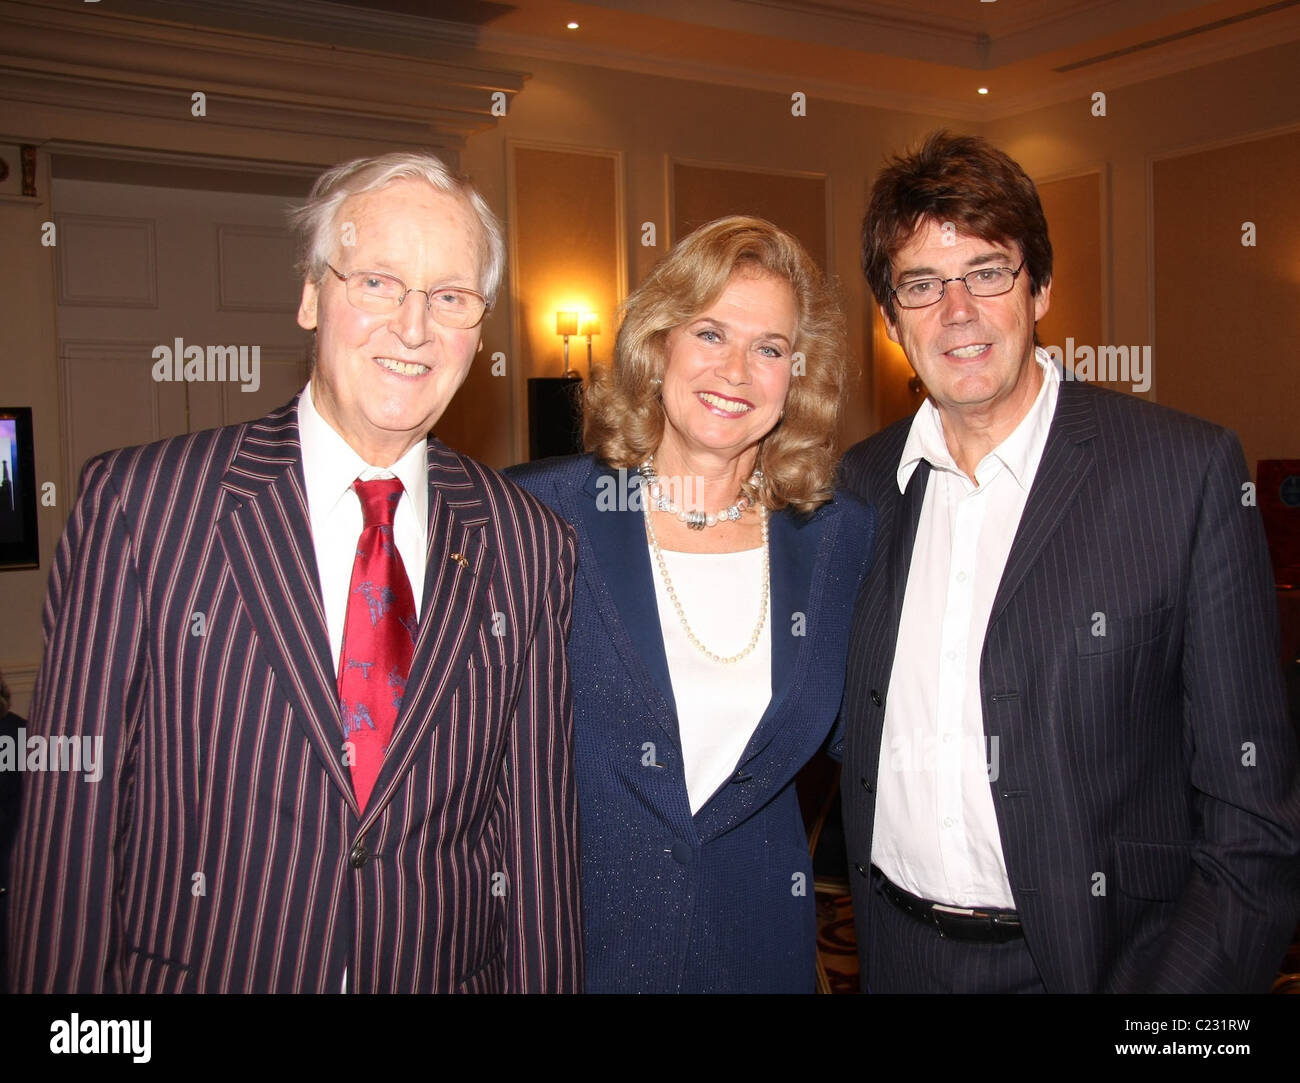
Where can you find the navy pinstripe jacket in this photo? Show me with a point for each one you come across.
(222, 850)
(1158, 755)
(721, 901)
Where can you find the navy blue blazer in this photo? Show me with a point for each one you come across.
(721, 901)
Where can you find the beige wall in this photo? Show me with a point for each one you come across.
(1073, 208)
(655, 121)
(1242, 99)
(1227, 314)
(702, 193)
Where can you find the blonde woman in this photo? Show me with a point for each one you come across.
(717, 572)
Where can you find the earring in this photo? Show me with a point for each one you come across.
(480, 345)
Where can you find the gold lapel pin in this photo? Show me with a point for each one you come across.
(460, 558)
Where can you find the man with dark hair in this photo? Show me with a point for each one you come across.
(1067, 766)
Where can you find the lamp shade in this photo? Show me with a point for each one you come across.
(566, 323)
(589, 324)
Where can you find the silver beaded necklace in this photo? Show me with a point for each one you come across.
(647, 472)
(695, 520)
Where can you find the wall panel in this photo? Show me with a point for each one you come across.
(1226, 314)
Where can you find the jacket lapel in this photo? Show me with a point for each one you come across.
(620, 578)
(879, 604)
(793, 555)
(906, 522)
(796, 546)
(458, 572)
(267, 538)
(1068, 460)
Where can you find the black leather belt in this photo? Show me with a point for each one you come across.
(958, 923)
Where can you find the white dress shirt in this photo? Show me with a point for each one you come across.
(718, 705)
(936, 832)
(329, 467)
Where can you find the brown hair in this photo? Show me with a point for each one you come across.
(961, 179)
(623, 415)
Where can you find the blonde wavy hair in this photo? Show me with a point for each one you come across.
(623, 414)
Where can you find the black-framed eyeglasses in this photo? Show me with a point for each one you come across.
(981, 282)
(374, 291)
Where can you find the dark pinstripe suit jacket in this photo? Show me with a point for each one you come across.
(222, 849)
(1158, 755)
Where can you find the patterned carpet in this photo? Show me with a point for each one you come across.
(837, 947)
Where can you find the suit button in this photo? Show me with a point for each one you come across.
(681, 852)
(359, 854)
(876, 697)
(862, 869)
(867, 785)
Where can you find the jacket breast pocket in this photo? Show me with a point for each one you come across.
(1105, 634)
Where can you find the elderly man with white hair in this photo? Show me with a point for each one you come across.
(325, 654)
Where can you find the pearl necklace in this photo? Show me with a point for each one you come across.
(695, 520)
(677, 605)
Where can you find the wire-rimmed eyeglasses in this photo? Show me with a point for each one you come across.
(981, 282)
(374, 291)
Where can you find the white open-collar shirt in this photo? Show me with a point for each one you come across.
(936, 831)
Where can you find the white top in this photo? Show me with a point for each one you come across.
(718, 706)
(329, 467)
(936, 832)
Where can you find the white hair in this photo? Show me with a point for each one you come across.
(315, 220)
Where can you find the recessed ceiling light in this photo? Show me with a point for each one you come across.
(571, 26)
(983, 90)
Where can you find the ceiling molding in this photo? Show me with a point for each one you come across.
(1181, 35)
(473, 61)
(226, 110)
(885, 30)
(276, 15)
(1062, 88)
(128, 65)
(517, 45)
(1141, 68)
(984, 37)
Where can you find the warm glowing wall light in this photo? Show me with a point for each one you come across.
(589, 325)
(566, 324)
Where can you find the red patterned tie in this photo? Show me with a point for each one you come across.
(378, 636)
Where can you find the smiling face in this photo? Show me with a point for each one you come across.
(975, 355)
(383, 380)
(728, 370)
